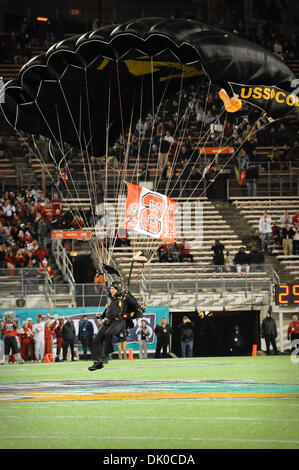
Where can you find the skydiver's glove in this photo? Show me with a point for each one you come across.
(140, 311)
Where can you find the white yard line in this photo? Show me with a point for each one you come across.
(179, 418)
(156, 438)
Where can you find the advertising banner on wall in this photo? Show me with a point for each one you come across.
(152, 316)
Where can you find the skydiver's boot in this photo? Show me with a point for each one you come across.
(96, 365)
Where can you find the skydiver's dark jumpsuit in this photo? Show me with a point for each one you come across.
(118, 315)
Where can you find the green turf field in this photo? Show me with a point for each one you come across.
(198, 403)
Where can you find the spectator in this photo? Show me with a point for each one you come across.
(269, 332)
(256, 260)
(228, 261)
(237, 342)
(86, 335)
(174, 253)
(293, 332)
(122, 344)
(163, 332)
(163, 152)
(48, 337)
(43, 230)
(287, 234)
(143, 334)
(26, 350)
(32, 342)
(163, 253)
(39, 338)
(184, 248)
(59, 339)
(218, 257)
(285, 218)
(69, 335)
(276, 233)
(265, 230)
(186, 329)
(295, 219)
(167, 174)
(46, 270)
(56, 204)
(145, 173)
(241, 260)
(252, 175)
(296, 239)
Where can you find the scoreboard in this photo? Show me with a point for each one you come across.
(287, 294)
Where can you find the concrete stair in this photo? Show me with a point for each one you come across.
(247, 233)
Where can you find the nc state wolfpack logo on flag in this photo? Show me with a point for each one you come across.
(150, 213)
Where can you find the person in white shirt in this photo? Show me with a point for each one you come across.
(265, 230)
(39, 338)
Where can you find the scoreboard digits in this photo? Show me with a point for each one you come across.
(286, 294)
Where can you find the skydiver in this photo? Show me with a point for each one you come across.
(117, 317)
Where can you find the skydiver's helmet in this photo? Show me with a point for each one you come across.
(118, 286)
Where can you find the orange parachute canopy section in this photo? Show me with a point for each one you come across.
(231, 104)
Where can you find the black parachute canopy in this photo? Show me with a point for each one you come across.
(84, 87)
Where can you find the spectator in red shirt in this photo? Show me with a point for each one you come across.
(77, 222)
(32, 342)
(293, 331)
(185, 251)
(48, 337)
(47, 211)
(46, 269)
(20, 259)
(56, 204)
(40, 252)
(295, 219)
(26, 343)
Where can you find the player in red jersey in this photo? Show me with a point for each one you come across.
(10, 332)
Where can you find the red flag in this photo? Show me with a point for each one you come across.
(150, 213)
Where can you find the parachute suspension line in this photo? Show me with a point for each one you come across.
(88, 109)
(198, 158)
(155, 115)
(122, 185)
(177, 127)
(120, 102)
(182, 125)
(212, 162)
(81, 212)
(173, 163)
(40, 157)
(54, 138)
(252, 132)
(91, 190)
(83, 215)
(205, 139)
(142, 139)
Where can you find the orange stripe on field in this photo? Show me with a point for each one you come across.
(148, 396)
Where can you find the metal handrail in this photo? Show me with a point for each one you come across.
(62, 260)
